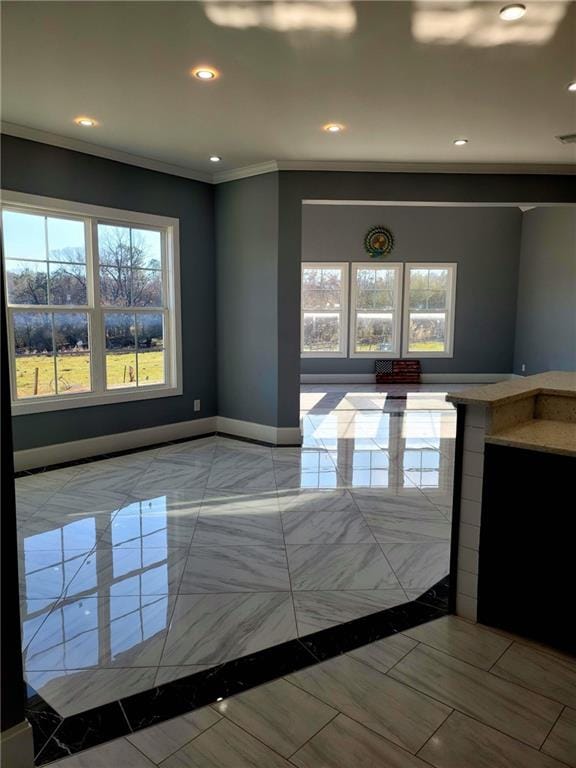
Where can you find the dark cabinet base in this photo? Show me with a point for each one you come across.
(527, 560)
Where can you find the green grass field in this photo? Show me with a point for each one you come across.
(74, 372)
(426, 346)
(415, 346)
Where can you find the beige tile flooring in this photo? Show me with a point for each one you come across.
(447, 694)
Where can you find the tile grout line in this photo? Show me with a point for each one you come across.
(460, 711)
(448, 716)
(552, 728)
(200, 733)
(479, 669)
(177, 593)
(337, 713)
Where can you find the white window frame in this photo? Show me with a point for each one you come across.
(92, 216)
(452, 268)
(345, 267)
(398, 267)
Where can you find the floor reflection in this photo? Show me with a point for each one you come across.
(211, 548)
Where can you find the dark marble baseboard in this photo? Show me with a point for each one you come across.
(56, 737)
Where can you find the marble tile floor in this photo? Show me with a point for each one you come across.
(154, 565)
(446, 694)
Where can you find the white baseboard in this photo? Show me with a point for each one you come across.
(60, 453)
(426, 378)
(17, 746)
(261, 432)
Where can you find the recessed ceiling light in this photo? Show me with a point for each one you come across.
(460, 142)
(205, 73)
(512, 12)
(572, 87)
(85, 122)
(333, 128)
(215, 159)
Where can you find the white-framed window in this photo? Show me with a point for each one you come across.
(93, 312)
(375, 316)
(324, 309)
(429, 302)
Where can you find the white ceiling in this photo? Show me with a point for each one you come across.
(406, 78)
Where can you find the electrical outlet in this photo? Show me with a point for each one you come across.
(523, 367)
(196, 405)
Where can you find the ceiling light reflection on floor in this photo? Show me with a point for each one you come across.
(479, 25)
(334, 16)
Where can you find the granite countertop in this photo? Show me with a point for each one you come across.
(552, 383)
(539, 435)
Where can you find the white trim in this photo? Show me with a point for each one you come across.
(433, 204)
(221, 177)
(61, 206)
(47, 455)
(59, 453)
(398, 268)
(272, 166)
(170, 309)
(449, 312)
(87, 148)
(17, 746)
(262, 432)
(425, 378)
(344, 267)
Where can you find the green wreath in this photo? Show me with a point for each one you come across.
(379, 242)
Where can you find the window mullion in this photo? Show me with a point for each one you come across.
(98, 350)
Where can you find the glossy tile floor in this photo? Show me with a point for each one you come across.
(447, 694)
(141, 569)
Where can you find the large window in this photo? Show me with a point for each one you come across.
(324, 310)
(91, 302)
(395, 309)
(375, 316)
(429, 310)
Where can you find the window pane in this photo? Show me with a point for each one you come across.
(374, 332)
(66, 241)
(24, 236)
(150, 349)
(375, 288)
(68, 284)
(427, 299)
(438, 279)
(115, 286)
(321, 332)
(121, 369)
(27, 282)
(427, 332)
(72, 352)
(146, 249)
(146, 288)
(321, 288)
(114, 245)
(34, 361)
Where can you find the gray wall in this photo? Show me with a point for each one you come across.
(484, 242)
(247, 256)
(546, 323)
(45, 170)
(296, 186)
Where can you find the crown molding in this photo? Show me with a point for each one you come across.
(86, 147)
(221, 177)
(244, 172)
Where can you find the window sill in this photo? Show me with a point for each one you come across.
(427, 355)
(23, 407)
(322, 355)
(382, 355)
